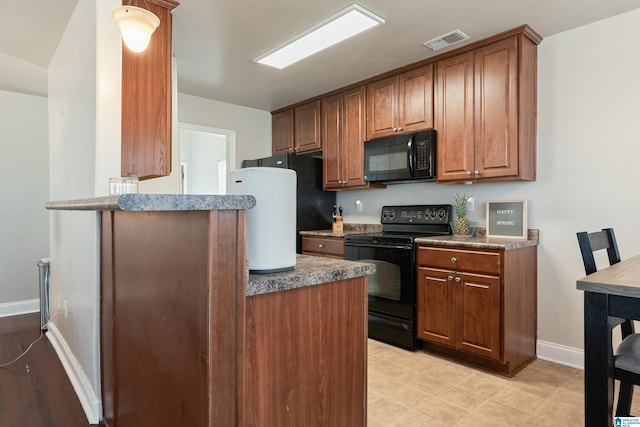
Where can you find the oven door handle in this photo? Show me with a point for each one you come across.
(377, 245)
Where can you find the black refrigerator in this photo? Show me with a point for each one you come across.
(314, 206)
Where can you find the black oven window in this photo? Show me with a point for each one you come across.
(386, 281)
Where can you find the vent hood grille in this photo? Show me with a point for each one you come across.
(446, 40)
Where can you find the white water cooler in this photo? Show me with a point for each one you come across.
(271, 224)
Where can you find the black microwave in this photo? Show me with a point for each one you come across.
(400, 158)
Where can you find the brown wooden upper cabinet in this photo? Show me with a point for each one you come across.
(343, 134)
(297, 129)
(282, 131)
(480, 99)
(146, 101)
(401, 103)
(485, 111)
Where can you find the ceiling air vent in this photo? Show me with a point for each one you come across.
(446, 40)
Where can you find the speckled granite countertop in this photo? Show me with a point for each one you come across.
(309, 271)
(156, 202)
(480, 241)
(347, 229)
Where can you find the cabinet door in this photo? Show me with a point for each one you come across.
(496, 110)
(282, 131)
(436, 306)
(454, 118)
(478, 314)
(415, 100)
(332, 111)
(146, 102)
(382, 107)
(353, 137)
(307, 127)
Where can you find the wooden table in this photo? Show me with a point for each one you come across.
(611, 293)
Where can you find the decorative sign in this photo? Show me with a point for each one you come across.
(507, 218)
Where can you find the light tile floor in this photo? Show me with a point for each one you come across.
(419, 389)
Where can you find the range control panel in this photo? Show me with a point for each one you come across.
(416, 214)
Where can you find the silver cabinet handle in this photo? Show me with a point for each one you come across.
(320, 245)
(450, 278)
(477, 172)
(454, 259)
(399, 129)
(468, 172)
(457, 280)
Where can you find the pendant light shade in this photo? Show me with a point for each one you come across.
(136, 25)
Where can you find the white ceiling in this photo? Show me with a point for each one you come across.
(216, 40)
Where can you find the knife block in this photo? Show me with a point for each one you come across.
(338, 224)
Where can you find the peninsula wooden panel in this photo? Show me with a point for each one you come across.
(306, 352)
(172, 317)
(146, 101)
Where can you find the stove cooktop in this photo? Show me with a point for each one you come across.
(405, 223)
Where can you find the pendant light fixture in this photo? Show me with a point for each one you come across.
(136, 25)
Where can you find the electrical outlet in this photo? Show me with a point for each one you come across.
(472, 203)
(358, 205)
(66, 311)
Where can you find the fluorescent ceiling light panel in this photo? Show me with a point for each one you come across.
(350, 21)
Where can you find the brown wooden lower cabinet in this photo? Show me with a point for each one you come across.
(479, 306)
(182, 345)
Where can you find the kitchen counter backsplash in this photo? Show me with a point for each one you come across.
(347, 229)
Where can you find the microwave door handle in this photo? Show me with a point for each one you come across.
(410, 156)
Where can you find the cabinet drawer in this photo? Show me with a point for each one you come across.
(459, 259)
(323, 246)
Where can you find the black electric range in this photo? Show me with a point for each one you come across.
(392, 288)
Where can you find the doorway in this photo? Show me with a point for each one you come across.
(206, 156)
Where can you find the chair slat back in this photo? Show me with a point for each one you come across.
(597, 241)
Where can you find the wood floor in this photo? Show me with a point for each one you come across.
(34, 391)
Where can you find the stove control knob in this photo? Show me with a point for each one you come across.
(385, 214)
(441, 213)
(392, 214)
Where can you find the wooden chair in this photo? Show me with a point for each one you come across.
(626, 358)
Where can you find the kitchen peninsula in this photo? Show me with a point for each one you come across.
(189, 338)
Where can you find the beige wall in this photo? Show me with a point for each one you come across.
(24, 187)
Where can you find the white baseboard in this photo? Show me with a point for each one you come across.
(91, 404)
(19, 307)
(561, 354)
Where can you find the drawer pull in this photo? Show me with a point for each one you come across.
(320, 245)
(457, 280)
(454, 259)
(450, 278)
